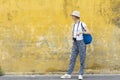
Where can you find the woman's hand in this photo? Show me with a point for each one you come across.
(79, 33)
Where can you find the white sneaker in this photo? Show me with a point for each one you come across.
(80, 77)
(66, 76)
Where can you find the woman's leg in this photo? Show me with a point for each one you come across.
(73, 58)
(82, 53)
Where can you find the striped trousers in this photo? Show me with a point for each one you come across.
(79, 48)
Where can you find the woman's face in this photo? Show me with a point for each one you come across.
(74, 18)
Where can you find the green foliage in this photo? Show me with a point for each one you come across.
(1, 72)
(116, 12)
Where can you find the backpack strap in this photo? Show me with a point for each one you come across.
(77, 26)
(83, 29)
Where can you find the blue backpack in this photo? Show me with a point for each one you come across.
(86, 37)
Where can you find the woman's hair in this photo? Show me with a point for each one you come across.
(77, 17)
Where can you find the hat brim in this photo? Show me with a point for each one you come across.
(74, 15)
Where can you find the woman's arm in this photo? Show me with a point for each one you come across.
(86, 30)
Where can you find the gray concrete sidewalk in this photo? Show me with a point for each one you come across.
(57, 77)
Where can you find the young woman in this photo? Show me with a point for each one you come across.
(79, 47)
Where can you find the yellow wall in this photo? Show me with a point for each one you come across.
(35, 35)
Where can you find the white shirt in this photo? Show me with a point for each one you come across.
(77, 29)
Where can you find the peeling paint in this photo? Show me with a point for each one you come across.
(35, 35)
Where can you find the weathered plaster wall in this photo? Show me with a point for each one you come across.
(35, 35)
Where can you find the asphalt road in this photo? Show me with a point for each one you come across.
(57, 77)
